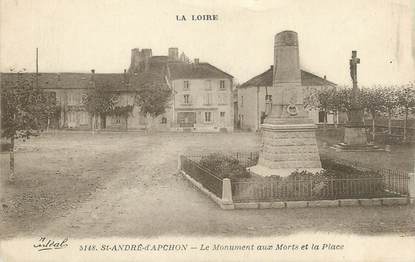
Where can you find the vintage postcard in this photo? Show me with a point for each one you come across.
(192, 130)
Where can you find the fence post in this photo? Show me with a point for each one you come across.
(179, 162)
(411, 187)
(227, 202)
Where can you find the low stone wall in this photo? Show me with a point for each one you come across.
(325, 203)
(225, 202)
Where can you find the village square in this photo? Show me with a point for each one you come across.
(109, 163)
(175, 143)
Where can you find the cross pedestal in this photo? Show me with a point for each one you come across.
(355, 138)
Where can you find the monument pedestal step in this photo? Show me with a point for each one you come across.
(264, 171)
(361, 148)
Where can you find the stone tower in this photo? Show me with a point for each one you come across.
(139, 60)
(288, 141)
(173, 54)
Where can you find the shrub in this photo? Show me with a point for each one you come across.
(337, 170)
(303, 184)
(224, 166)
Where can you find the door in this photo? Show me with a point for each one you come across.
(186, 119)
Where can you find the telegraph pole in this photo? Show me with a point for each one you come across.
(37, 68)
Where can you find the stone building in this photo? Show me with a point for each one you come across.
(252, 96)
(202, 97)
(201, 94)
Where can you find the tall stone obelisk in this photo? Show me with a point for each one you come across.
(288, 141)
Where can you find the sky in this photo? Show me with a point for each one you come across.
(79, 35)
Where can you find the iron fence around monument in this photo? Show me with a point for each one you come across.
(396, 181)
(382, 183)
(271, 189)
(201, 174)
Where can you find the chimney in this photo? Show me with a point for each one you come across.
(196, 61)
(93, 77)
(325, 78)
(125, 77)
(173, 53)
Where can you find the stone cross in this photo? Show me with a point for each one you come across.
(356, 114)
(353, 66)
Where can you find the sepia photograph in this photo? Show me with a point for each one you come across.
(192, 130)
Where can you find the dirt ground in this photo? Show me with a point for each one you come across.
(125, 184)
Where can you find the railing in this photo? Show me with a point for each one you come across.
(312, 189)
(202, 175)
(396, 181)
(381, 182)
(395, 137)
(246, 159)
(382, 135)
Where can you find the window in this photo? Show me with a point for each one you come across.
(84, 118)
(222, 114)
(164, 120)
(222, 84)
(222, 99)
(208, 84)
(242, 101)
(70, 99)
(186, 85)
(186, 99)
(71, 117)
(322, 116)
(74, 99)
(268, 97)
(208, 117)
(115, 120)
(207, 99)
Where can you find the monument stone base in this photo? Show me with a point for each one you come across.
(355, 140)
(286, 148)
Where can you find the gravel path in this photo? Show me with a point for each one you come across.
(127, 185)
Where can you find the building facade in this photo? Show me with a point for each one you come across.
(201, 94)
(253, 94)
(202, 99)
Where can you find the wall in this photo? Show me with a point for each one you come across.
(250, 110)
(73, 113)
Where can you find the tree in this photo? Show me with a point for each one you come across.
(153, 96)
(98, 104)
(343, 100)
(372, 100)
(390, 104)
(53, 110)
(25, 109)
(406, 103)
(322, 99)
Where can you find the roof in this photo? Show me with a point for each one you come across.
(266, 79)
(181, 70)
(156, 74)
(50, 80)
